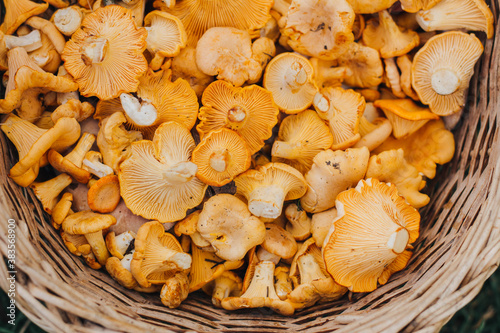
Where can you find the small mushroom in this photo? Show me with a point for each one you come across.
(373, 134)
(321, 224)
(283, 283)
(184, 66)
(119, 270)
(62, 209)
(392, 79)
(118, 244)
(104, 195)
(18, 11)
(278, 244)
(73, 108)
(364, 64)
(50, 30)
(175, 290)
(78, 245)
(327, 73)
(68, 20)
(228, 284)
(93, 164)
(370, 7)
(48, 191)
(267, 188)
(299, 224)
(404, 64)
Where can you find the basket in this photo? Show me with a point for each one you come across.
(458, 249)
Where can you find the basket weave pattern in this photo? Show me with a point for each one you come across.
(458, 249)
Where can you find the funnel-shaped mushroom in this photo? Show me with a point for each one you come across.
(327, 73)
(250, 111)
(299, 224)
(48, 192)
(370, 7)
(332, 173)
(342, 109)
(104, 195)
(158, 255)
(90, 225)
(228, 225)
(221, 156)
(18, 11)
(119, 270)
(430, 145)
(300, 138)
(405, 116)
(364, 64)
(373, 133)
(385, 36)
(458, 14)
(289, 77)
(106, 59)
(158, 181)
(371, 236)
(198, 16)
(443, 68)
(78, 245)
(321, 29)
(267, 188)
(228, 284)
(413, 6)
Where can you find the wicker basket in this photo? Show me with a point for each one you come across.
(458, 249)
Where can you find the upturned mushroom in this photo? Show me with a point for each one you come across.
(104, 194)
(164, 165)
(228, 225)
(268, 187)
(371, 237)
(300, 138)
(250, 111)
(17, 12)
(48, 191)
(442, 69)
(331, 173)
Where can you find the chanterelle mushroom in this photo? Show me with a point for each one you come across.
(364, 64)
(371, 236)
(228, 225)
(48, 191)
(18, 11)
(158, 181)
(106, 59)
(370, 7)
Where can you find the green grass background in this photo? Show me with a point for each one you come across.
(481, 315)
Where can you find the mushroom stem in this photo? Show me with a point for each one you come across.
(262, 284)
(142, 114)
(96, 241)
(296, 76)
(68, 20)
(94, 50)
(266, 201)
(398, 240)
(180, 173)
(281, 6)
(219, 160)
(321, 103)
(127, 259)
(309, 269)
(29, 42)
(236, 117)
(264, 255)
(82, 147)
(286, 150)
(445, 81)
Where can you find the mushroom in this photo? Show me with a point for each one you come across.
(442, 70)
(327, 73)
(457, 14)
(118, 244)
(198, 16)
(228, 284)
(220, 156)
(405, 116)
(299, 224)
(114, 140)
(99, 52)
(431, 144)
(373, 134)
(18, 11)
(184, 66)
(371, 237)
(73, 108)
(119, 270)
(370, 7)
(268, 187)
(93, 164)
(78, 245)
(385, 36)
(175, 290)
(158, 255)
(404, 65)
(48, 191)
(187, 226)
(321, 29)
(250, 111)
(68, 20)
(321, 224)
(158, 181)
(166, 35)
(300, 138)
(91, 225)
(49, 29)
(364, 64)
(413, 6)
(263, 50)
(29, 42)
(390, 166)
(289, 77)
(342, 109)
(47, 56)
(392, 78)
(104, 195)
(61, 209)
(331, 173)
(278, 244)
(227, 53)
(228, 225)
(283, 283)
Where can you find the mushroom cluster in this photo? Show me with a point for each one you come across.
(268, 153)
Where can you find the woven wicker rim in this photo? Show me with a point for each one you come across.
(458, 249)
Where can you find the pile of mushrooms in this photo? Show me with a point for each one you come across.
(269, 153)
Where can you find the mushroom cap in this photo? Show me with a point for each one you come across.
(104, 195)
(220, 156)
(157, 181)
(279, 242)
(386, 37)
(184, 66)
(48, 191)
(198, 16)
(62, 164)
(119, 273)
(87, 222)
(118, 245)
(374, 227)
(373, 134)
(413, 6)
(99, 52)
(321, 224)
(175, 290)
(442, 69)
(300, 138)
(228, 225)
(289, 77)
(431, 144)
(342, 109)
(405, 116)
(331, 173)
(227, 53)
(17, 12)
(390, 166)
(321, 29)
(166, 34)
(250, 111)
(457, 14)
(365, 66)
(370, 7)
(61, 210)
